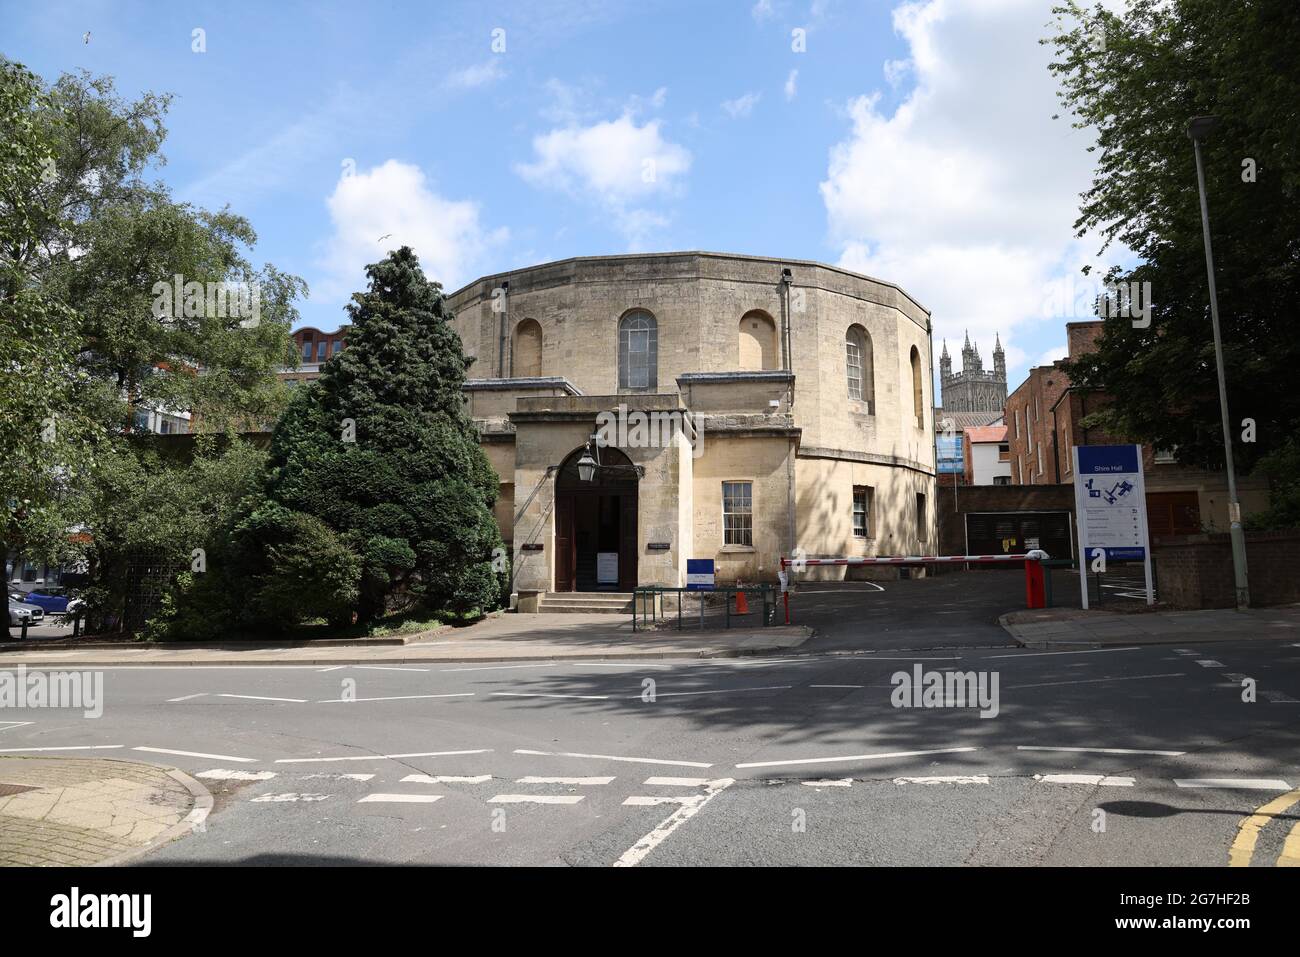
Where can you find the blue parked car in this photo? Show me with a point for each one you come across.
(53, 600)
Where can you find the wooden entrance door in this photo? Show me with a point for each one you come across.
(565, 565)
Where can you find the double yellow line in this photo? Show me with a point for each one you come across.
(1243, 847)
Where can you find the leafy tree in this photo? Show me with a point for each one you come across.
(1137, 76)
(44, 437)
(88, 244)
(380, 448)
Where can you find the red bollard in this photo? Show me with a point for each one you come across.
(1035, 592)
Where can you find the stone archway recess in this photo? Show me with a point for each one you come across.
(595, 519)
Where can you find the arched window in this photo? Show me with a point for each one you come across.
(638, 352)
(526, 358)
(859, 367)
(918, 400)
(757, 345)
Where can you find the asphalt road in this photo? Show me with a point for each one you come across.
(766, 761)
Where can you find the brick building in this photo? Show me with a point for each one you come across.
(1045, 420)
(315, 347)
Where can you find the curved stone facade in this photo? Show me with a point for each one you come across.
(794, 401)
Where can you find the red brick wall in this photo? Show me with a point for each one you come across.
(1195, 571)
(1029, 414)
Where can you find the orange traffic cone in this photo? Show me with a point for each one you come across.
(742, 605)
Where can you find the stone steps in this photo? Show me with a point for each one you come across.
(585, 603)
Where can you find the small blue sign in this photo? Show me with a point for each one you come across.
(699, 574)
(1107, 459)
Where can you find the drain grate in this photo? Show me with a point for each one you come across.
(7, 790)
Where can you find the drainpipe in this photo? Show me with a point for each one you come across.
(787, 278)
(934, 442)
(501, 335)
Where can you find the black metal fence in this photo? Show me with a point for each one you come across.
(656, 607)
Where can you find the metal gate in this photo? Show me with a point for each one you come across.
(1005, 533)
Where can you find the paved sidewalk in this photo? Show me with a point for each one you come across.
(1067, 628)
(87, 811)
(514, 637)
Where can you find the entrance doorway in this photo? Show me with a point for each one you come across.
(596, 525)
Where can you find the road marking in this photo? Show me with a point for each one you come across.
(197, 754)
(1102, 780)
(644, 800)
(578, 781)
(534, 694)
(224, 774)
(73, 747)
(188, 697)
(1184, 651)
(635, 854)
(1249, 784)
(14, 724)
(292, 797)
(838, 591)
(853, 757)
(536, 799)
(386, 668)
(949, 779)
(399, 697)
(1290, 856)
(1090, 681)
(448, 671)
(837, 686)
(1243, 846)
(339, 777)
(1042, 747)
(680, 694)
(612, 757)
(378, 798)
(382, 757)
(330, 668)
(829, 783)
(1090, 651)
(676, 782)
(1278, 697)
(444, 778)
(1209, 663)
(258, 697)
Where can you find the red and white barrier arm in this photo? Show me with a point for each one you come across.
(1033, 556)
(901, 560)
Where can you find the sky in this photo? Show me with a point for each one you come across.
(911, 141)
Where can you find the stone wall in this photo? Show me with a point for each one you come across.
(1195, 571)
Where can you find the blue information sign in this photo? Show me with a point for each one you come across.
(699, 574)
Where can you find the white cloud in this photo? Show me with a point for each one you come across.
(791, 84)
(763, 10)
(965, 194)
(619, 164)
(480, 74)
(741, 106)
(393, 205)
(1052, 354)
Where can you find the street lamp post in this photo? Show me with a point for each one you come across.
(1198, 128)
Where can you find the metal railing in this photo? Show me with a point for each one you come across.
(647, 601)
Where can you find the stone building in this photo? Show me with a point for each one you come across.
(972, 389)
(643, 410)
(315, 347)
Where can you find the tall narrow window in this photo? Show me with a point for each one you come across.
(738, 513)
(527, 356)
(918, 401)
(320, 350)
(922, 519)
(859, 367)
(638, 352)
(861, 511)
(306, 350)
